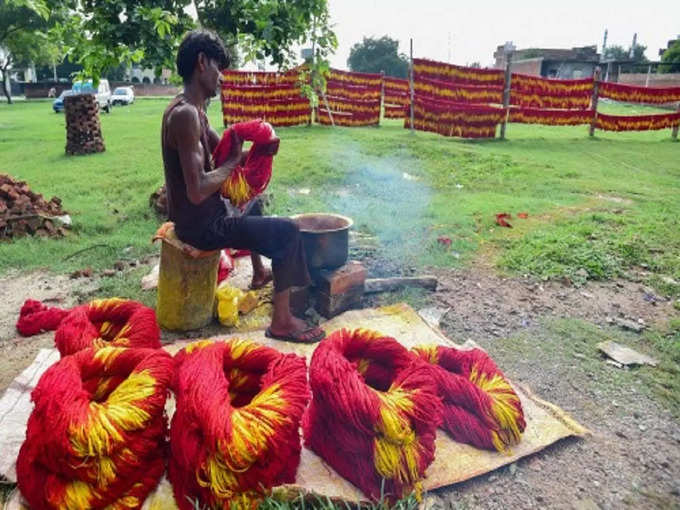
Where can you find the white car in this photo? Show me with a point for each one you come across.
(123, 96)
(102, 93)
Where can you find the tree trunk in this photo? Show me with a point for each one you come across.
(5, 86)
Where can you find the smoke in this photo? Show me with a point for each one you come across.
(388, 201)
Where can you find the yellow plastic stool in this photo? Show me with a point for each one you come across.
(187, 280)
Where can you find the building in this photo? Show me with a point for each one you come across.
(551, 63)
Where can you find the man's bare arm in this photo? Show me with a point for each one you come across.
(185, 130)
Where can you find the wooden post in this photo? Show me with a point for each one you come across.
(411, 85)
(506, 92)
(382, 91)
(328, 108)
(649, 71)
(593, 100)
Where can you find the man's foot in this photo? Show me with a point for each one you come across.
(261, 278)
(297, 331)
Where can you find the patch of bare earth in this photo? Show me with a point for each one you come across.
(632, 460)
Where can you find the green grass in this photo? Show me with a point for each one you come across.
(597, 207)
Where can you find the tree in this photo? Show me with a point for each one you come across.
(671, 57)
(376, 55)
(23, 36)
(266, 29)
(620, 54)
(103, 34)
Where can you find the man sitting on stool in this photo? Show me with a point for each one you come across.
(193, 186)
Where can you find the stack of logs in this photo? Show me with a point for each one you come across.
(83, 130)
(23, 212)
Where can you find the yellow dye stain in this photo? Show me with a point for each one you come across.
(252, 428)
(396, 448)
(237, 189)
(101, 430)
(503, 410)
(108, 354)
(240, 347)
(362, 365)
(76, 494)
(198, 345)
(428, 352)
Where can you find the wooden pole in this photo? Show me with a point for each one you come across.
(506, 93)
(649, 71)
(593, 100)
(382, 91)
(328, 108)
(411, 85)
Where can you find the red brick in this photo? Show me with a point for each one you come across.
(334, 282)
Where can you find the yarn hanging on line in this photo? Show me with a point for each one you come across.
(96, 436)
(374, 412)
(101, 322)
(250, 179)
(235, 431)
(480, 406)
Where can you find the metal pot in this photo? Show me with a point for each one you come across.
(325, 237)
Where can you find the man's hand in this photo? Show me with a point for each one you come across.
(269, 148)
(235, 152)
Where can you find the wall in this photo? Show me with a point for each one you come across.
(531, 66)
(148, 89)
(40, 89)
(655, 80)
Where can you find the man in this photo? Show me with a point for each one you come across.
(193, 187)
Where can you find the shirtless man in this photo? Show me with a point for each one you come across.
(193, 187)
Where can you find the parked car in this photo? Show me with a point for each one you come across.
(123, 96)
(58, 103)
(103, 92)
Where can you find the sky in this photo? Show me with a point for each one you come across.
(470, 31)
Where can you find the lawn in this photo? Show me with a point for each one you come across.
(597, 207)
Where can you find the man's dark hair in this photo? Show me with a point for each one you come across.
(200, 41)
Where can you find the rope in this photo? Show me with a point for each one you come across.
(234, 434)
(480, 406)
(96, 436)
(374, 412)
(112, 321)
(250, 179)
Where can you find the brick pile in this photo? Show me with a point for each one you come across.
(83, 130)
(23, 212)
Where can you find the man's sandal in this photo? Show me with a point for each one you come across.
(307, 336)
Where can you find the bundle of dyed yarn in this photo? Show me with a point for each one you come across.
(374, 412)
(480, 406)
(235, 431)
(96, 437)
(112, 321)
(250, 179)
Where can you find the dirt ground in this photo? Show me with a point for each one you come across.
(632, 458)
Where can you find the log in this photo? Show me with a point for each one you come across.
(374, 285)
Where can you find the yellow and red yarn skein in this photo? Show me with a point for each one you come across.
(113, 321)
(250, 179)
(374, 412)
(480, 406)
(96, 436)
(235, 431)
